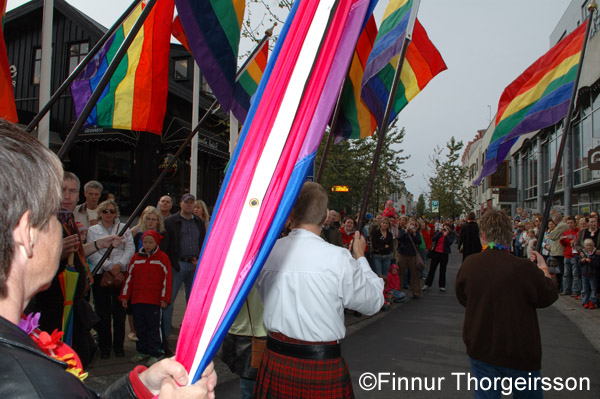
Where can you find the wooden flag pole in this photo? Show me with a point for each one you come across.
(592, 7)
(189, 138)
(105, 79)
(36, 119)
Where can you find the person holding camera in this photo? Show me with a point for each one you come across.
(441, 244)
(408, 242)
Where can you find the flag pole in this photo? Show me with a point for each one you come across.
(592, 7)
(195, 130)
(334, 122)
(105, 79)
(386, 116)
(44, 110)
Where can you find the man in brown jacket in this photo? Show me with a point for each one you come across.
(501, 294)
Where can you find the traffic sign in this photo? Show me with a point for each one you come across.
(435, 206)
(340, 189)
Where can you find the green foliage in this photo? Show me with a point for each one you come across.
(349, 163)
(447, 184)
(421, 207)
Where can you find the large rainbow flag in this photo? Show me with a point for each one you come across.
(213, 31)
(8, 109)
(355, 121)
(421, 64)
(538, 98)
(136, 96)
(277, 145)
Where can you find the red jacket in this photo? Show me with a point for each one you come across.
(149, 279)
(567, 242)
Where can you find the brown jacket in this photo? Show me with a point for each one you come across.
(501, 294)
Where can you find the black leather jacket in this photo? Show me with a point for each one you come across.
(27, 372)
(173, 227)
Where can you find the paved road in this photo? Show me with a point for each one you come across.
(423, 340)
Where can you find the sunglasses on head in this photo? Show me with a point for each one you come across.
(111, 211)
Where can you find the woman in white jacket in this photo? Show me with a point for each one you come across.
(106, 299)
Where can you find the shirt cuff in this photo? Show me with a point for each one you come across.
(138, 386)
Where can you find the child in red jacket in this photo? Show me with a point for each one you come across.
(148, 289)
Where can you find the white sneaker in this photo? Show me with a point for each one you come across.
(425, 287)
(442, 289)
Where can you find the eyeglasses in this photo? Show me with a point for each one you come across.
(111, 211)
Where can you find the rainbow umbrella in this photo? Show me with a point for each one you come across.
(68, 283)
(277, 145)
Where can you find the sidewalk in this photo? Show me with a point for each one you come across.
(588, 321)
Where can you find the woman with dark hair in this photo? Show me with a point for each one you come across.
(106, 299)
(468, 241)
(382, 246)
(441, 242)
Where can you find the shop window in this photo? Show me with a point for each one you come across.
(181, 70)
(37, 66)
(77, 52)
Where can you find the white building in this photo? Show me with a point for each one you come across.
(529, 168)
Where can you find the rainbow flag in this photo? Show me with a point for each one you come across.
(355, 120)
(213, 31)
(68, 284)
(8, 109)
(247, 84)
(538, 98)
(277, 145)
(421, 64)
(136, 96)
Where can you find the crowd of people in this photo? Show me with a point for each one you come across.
(97, 274)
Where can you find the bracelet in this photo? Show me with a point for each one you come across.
(96, 245)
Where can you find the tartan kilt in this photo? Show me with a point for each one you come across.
(282, 376)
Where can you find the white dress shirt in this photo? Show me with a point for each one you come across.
(121, 254)
(306, 283)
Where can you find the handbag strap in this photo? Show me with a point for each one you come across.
(250, 318)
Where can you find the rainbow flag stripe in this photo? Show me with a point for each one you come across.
(355, 120)
(538, 98)
(421, 64)
(8, 109)
(277, 145)
(247, 84)
(136, 96)
(213, 31)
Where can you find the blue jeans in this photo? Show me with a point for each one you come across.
(590, 289)
(381, 264)
(485, 374)
(571, 284)
(185, 276)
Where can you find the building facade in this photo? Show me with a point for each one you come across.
(524, 179)
(125, 162)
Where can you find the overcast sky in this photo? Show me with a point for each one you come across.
(486, 45)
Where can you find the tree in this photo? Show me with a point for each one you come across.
(420, 208)
(349, 163)
(447, 184)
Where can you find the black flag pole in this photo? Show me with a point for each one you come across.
(592, 7)
(38, 117)
(334, 122)
(70, 139)
(382, 131)
(182, 147)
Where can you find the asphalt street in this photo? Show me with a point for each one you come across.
(415, 350)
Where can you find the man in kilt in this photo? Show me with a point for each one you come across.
(305, 285)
